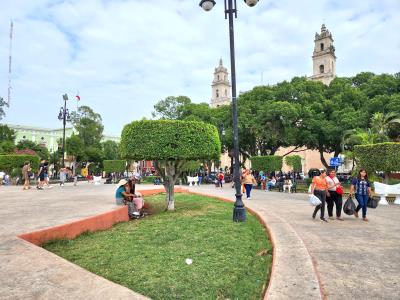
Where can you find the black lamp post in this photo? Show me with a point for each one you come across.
(65, 117)
(239, 212)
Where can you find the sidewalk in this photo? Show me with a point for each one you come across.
(30, 272)
(354, 259)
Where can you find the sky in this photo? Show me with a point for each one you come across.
(123, 56)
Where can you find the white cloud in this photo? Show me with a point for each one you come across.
(124, 56)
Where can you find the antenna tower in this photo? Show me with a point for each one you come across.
(9, 65)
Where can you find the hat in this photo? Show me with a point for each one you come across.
(122, 182)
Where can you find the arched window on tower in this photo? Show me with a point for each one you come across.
(218, 77)
(322, 46)
(321, 68)
(217, 93)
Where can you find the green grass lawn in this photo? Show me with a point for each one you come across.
(230, 260)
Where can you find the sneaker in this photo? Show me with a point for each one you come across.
(365, 219)
(248, 198)
(324, 220)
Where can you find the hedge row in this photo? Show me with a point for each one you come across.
(267, 164)
(379, 157)
(14, 161)
(110, 166)
(294, 161)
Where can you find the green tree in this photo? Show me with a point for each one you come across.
(110, 150)
(74, 148)
(2, 105)
(381, 122)
(170, 144)
(7, 138)
(168, 108)
(40, 150)
(89, 126)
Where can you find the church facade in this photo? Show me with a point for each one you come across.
(220, 87)
(324, 58)
(324, 70)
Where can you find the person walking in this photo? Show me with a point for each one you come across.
(333, 197)
(248, 182)
(220, 179)
(361, 187)
(319, 188)
(26, 172)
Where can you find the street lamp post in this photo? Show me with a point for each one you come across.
(64, 116)
(239, 212)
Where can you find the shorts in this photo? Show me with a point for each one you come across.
(41, 177)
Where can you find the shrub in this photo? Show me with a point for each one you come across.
(111, 166)
(382, 157)
(294, 161)
(15, 161)
(267, 164)
(148, 179)
(171, 144)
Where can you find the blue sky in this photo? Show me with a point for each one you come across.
(124, 56)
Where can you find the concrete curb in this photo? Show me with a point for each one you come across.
(305, 274)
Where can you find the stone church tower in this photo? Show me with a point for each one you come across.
(324, 59)
(221, 87)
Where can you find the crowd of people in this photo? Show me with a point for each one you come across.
(328, 189)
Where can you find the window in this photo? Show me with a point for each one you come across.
(218, 77)
(217, 93)
(226, 93)
(24, 137)
(322, 46)
(321, 68)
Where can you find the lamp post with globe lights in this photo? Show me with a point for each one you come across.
(64, 116)
(239, 211)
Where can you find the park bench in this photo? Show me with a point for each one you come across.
(192, 180)
(383, 190)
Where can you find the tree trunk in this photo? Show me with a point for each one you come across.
(169, 188)
(323, 160)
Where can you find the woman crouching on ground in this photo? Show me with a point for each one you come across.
(333, 197)
(362, 189)
(319, 188)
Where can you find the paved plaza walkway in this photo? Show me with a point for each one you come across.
(353, 259)
(346, 260)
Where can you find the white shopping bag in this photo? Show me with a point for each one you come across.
(314, 200)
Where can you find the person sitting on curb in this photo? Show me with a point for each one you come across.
(124, 197)
(137, 199)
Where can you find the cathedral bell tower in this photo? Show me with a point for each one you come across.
(221, 88)
(324, 59)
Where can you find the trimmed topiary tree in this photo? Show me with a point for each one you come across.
(15, 161)
(267, 164)
(111, 166)
(170, 144)
(382, 157)
(294, 161)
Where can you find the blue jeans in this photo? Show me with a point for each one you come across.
(248, 188)
(269, 185)
(362, 203)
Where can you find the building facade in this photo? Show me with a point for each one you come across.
(220, 87)
(324, 59)
(49, 138)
